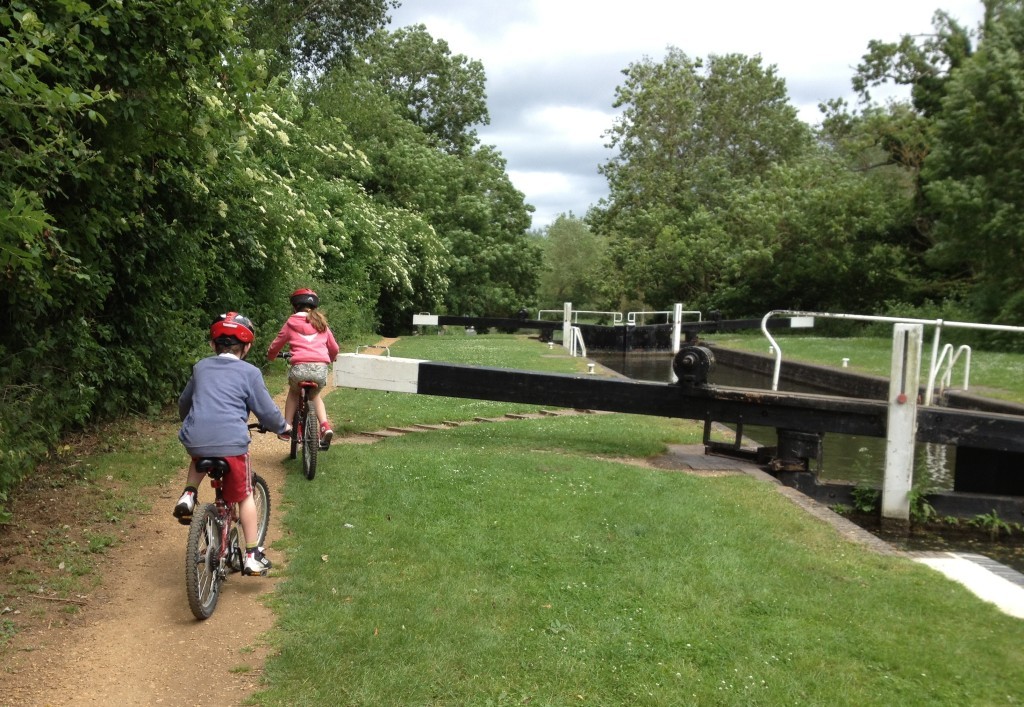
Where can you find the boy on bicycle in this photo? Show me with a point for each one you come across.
(214, 408)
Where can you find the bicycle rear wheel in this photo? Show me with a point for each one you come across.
(202, 562)
(310, 445)
(261, 496)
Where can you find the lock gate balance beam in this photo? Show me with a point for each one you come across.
(799, 412)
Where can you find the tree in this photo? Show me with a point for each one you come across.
(575, 265)
(690, 134)
(815, 234)
(974, 177)
(460, 189)
(310, 38)
(688, 128)
(923, 63)
(43, 106)
(112, 126)
(966, 101)
(441, 93)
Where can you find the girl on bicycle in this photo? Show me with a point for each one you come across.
(214, 408)
(313, 349)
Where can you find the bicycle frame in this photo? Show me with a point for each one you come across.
(227, 513)
(305, 425)
(214, 541)
(212, 551)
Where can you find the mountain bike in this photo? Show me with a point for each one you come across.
(215, 548)
(305, 427)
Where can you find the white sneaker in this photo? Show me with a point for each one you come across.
(186, 504)
(256, 563)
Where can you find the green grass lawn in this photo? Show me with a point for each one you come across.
(526, 563)
(993, 374)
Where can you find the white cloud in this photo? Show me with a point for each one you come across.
(556, 184)
(569, 125)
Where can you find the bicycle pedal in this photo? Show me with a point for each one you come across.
(185, 520)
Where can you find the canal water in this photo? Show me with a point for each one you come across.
(844, 457)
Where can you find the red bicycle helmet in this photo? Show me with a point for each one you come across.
(232, 328)
(305, 298)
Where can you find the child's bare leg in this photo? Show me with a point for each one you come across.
(195, 477)
(255, 563)
(290, 404)
(320, 408)
(190, 496)
(247, 516)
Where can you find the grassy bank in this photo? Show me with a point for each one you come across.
(992, 373)
(526, 562)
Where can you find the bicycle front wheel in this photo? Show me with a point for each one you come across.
(310, 445)
(261, 496)
(202, 562)
(296, 430)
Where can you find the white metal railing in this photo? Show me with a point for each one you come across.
(946, 378)
(576, 345)
(632, 316)
(933, 370)
(671, 316)
(570, 317)
(616, 316)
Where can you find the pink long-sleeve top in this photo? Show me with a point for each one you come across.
(307, 344)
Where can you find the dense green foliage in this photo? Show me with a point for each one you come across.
(974, 178)
(575, 266)
(161, 162)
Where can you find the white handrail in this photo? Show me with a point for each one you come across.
(947, 375)
(616, 316)
(576, 346)
(937, 323)
(631, 316)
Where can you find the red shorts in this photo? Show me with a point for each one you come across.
(237, 483)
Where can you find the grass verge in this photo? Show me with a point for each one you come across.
(76, 507)
(527, 563)
(993, 374)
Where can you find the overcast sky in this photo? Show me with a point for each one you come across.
(552, 66)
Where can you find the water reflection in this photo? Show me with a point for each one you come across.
(845, 457)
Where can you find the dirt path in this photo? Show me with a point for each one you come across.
(140, 643)
(137, 642)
